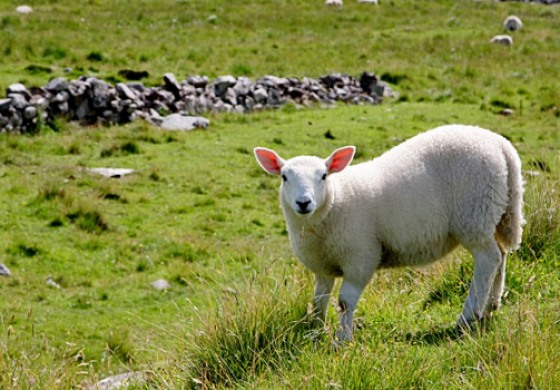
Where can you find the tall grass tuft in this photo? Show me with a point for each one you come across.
(541, 234)
(263, 333)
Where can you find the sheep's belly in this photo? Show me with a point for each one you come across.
(416, 255)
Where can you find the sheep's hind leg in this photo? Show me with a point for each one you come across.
(498, 287)
(488, 261)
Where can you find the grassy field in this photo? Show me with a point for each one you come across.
(200, 213)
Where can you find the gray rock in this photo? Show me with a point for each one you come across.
(136, 86)
(16, 88)
(180, 122)
(249, 103)
(82, 110)
(30, 112)
(62, 97)
(272, 81)
(274, 99)
(198, 81)
(218, 106)
(125, 92)
(242, 86)
(230, 96)
(172, 85)
(5, 105)
(4, 271)
(190, 105)
(221, 84)
(57, 84)
(260, 95)
(201, 104)
(18, 101)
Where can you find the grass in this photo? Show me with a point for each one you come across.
(199, 212)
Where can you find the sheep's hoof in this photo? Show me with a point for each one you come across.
(315, 335)
(466, 326)
(473, 325)
(339, 345)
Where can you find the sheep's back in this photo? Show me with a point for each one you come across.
(422, 197)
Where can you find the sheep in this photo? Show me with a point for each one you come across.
(513, 23)
(453, 185)
(505, 40)
(334, 3)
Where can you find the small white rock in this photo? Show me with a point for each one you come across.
(180, 122)
(114, 173)
(160, 284)
(4, 270)
(24, 9)
(52, 283)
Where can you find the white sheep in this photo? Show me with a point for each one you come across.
(333, 3)
(505, 40)
(411, 206)
(513, 23)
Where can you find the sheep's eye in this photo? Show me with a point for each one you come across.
(284, 178)
(324, 177)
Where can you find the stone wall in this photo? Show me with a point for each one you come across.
(92, 101)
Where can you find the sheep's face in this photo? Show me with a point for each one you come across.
(304, 182)
(304, 178)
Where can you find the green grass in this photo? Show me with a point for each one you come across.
(199, 212)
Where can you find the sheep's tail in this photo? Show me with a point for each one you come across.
(510, 227)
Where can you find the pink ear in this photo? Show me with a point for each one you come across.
(269, 160)
(340, 159)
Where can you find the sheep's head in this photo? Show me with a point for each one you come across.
(304, 178)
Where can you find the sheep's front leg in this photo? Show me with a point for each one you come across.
(323, 289)
(350, 293)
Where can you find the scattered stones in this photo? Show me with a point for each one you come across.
(113, 173)
(513, 23)
(505, 40)
(160, 284)
(92, 101)
(4, 271)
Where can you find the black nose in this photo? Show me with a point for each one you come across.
(303, 206)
